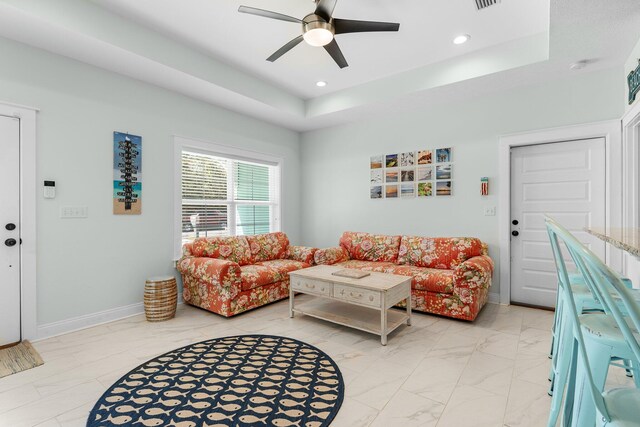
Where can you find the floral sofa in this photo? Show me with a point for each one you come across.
(230, 275)
(451, 275)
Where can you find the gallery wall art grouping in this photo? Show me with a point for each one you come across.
(422, 173)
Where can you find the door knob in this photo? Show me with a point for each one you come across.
(514, 233)
(515, 222)
(10, 242)
(10, 226)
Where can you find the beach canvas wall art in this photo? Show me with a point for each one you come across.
(127, 174)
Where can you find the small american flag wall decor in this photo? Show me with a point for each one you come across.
(484, 186)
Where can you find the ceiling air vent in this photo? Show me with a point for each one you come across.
(482, 4)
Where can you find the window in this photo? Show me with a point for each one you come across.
(226, 194)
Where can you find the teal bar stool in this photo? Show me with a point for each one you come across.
(587, 342)
(585, 303)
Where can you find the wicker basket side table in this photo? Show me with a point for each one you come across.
(160, 298)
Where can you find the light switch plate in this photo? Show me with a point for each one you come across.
(74, 212)
(489, 211)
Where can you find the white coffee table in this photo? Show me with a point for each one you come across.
(357, 303)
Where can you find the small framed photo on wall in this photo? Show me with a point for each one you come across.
(443, 171)
(391, 161)
(425, 189)
(424, 173)
(376, 162)
(376, 192)
(407, 191)
(443, 155)
(424, 157)
(443, 188)
(407, 159)
(407, 175)
(376, 176)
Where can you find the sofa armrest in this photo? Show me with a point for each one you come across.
(301, 253)
(221, 275)
(330, 256)
(471, 277)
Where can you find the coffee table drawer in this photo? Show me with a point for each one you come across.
(354, 294)
(309, 286)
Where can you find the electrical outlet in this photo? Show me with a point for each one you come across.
(489, 211)
(74, 211)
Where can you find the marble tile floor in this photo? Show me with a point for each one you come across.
(438, 372)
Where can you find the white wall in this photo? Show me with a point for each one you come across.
(335, 161)
(100, 263)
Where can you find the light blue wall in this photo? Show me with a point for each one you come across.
(99, 263)
(335, 161)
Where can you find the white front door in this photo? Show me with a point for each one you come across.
(567, 181)
(9, 230)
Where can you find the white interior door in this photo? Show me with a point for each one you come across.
(567, 181)
(9, 230)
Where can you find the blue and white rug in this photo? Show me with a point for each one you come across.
(247, 380)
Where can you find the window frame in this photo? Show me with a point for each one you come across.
(181, 144)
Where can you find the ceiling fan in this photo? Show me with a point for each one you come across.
(320, 27)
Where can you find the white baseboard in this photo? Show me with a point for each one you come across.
(73, 324)
(494, 298)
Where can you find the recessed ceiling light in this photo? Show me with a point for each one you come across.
(579, 65)
(462, 38)
(321, 83)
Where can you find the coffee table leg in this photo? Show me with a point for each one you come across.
(290, 301)
(383, 322)
(409, 309)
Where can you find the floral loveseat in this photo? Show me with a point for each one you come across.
(451, 275)
(230, 275)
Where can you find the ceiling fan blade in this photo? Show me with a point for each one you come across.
(325, 8)
(336, 54)
(284, 49)
(343, 26)
(268, 14)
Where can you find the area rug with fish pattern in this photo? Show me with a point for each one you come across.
(246, 380)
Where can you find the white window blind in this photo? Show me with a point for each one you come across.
(224, 196)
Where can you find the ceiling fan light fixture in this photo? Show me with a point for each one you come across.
(461, 39)
(318, 37)
(317, 33)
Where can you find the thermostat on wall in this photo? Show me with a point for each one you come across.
(49, 189)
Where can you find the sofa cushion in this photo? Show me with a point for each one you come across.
(234, 248)
(370, 247)
(284, 266)
(255, 275)
(265, 247)
(427, 279)
(380, 267)
(438, 252)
